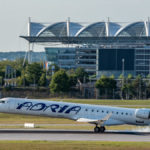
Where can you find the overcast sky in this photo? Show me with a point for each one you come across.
(14, 15)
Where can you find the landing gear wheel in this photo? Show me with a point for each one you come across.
(96, 129)
(102, 129)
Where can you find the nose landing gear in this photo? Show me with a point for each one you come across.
(100, 129)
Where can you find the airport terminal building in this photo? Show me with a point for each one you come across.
(101, 48)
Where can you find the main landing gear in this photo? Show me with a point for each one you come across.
(100, 129)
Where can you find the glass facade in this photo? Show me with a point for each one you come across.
(86, 58)
(136, 61)
(115, 61)
(142, 61)
(111, 59)
(63, 57)
(52, 55)
(100, 61)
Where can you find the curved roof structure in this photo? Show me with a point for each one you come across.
(35, 28)
(135, 29)
(60, 29)
(99, 29)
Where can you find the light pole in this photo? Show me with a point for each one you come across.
(123, 60)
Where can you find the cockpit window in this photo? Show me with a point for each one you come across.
(2, 102)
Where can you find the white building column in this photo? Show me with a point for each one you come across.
(68, 26)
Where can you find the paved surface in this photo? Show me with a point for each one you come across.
(11, 125)
(76, 135)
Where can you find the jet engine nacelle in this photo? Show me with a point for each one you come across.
(143, 113)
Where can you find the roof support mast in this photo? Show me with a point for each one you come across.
(147, 27)
(28, 53)
(29, 44)
(107, 27)
(68, 26)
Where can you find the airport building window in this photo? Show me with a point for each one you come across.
(142, 61)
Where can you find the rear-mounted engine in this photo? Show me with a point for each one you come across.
(143, 113)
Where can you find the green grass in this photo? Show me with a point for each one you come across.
(14, 119)
(73, 127)
(89, 127)
(20, 119)
(73, 145)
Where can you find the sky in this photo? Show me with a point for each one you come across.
(14, 15)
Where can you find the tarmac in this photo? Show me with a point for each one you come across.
(72, 135)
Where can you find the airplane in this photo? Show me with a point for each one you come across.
(98, 115)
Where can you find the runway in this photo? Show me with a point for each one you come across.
(73, 135)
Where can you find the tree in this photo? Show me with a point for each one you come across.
(81, 75)
(2, 72)
(54, 68)
(1, 80)
(33, 73)
(147, 86)
(21, 80)
(42, 81)
(72, 77)
(18, 65)
(106, 85)
(3, 65)
(59, 82)
(127, 88)
(72, 80)
(139, 87)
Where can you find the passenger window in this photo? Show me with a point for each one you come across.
(122, 113)
(126, 113)
(86, 109)
(116, 112)
(102, 111)
(97, 110)
(92, 110)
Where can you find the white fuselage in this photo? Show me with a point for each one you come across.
(75, 111)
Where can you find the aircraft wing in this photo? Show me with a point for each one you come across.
(95, 121)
